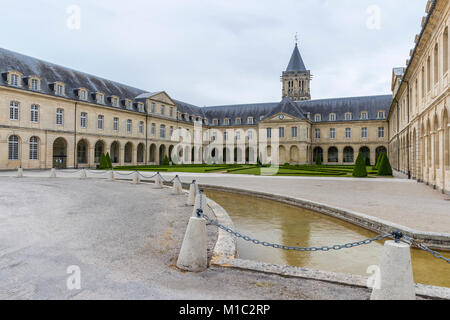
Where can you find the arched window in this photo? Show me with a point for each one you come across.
(436, 63)
(13, 148)
(34, 148)
(333, 154)
(348, 155)
(445, 51)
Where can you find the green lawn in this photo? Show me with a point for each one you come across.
(285, 170)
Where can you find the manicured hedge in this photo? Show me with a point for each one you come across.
(360, 170)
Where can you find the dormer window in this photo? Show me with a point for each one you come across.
(226, 121)
(34, 84)
(238, 121)
(82, 94)
(250, 120)
(140, 107)
(317, 118)
(381, 115)
(129, 104)
(332, 117)
(348, 116)
(100, 98)
(59, 89)
(14, 79)
(364, 115)
(215, 122)
(115, 101)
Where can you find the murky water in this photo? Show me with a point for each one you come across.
(289, 225)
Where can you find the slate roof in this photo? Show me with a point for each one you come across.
(50, 73)
(296, 62)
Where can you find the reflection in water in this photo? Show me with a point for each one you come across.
(279, 223)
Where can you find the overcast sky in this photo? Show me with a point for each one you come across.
(209, 52)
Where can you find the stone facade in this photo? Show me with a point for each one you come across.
(418, 117)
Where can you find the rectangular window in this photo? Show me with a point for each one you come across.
(129, 125)
(116, 124)
(381, 132)
(162, 131)
(100, 122)
(153, 129)
(380, 114)
(129, 105)
(332, 117)
(141, 127)
(363, 115)
(226, 122)
(163, 109)
(34, 148)
(364, 133)
(317, 133)
(294, 132)
(13, 148)
(250, 120)
(225, 136)
(317, 118)
(269, 132)
(348, 133)
(332, 133)
(171, 112)
(250, 134)
(153, 108)
(238, 121)
(99, 98)
(14, 110)
(348, 116)
(34, 113)
(14, 80)
(215, 122)
(59, 90)
(83, 95)
(83, 120)
(34, 85)
(115, 102)
(171, 132)
(281, 132)
(59, 117)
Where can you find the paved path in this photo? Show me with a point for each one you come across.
(125, 239)
(400, 201)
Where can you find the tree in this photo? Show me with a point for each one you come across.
(377, 162)
(166, 161)
(385, 168)
(367, 161)
(103, 162)
(360, 170)
(318, 160)
(108, 161)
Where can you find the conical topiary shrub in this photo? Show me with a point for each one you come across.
(385, 168)
(377, 162)
(108, 161)
(360, 170)
(367, 161)
(103, 162)
(319, 160)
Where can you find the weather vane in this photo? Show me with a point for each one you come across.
(296, 38)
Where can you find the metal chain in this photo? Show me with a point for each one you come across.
(124, 174)
(425, 248)
(145, 177)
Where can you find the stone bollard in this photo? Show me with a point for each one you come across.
(193, 253)
(192, 194)
(396, 276)
(53, 173)
(111, 176)
(199, 196)
(19, 172)
(158, 182)
(83, 174)
(136, 178)
(177, 187)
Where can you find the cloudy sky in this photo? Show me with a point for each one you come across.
(211, 52)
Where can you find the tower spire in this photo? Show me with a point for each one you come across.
(296, 79)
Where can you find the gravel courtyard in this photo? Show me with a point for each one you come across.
(125, 239)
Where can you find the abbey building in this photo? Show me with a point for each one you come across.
(53, 116)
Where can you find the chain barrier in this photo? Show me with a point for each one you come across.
(70, 172)
(96, 172)
(425, 248)
(145, 177)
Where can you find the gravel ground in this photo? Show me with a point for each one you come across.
(125, 239)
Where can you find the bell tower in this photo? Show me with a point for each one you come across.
(296, 79)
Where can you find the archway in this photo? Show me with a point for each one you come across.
(348, 155)
(115, 152)
(60, 153)
(153, 153)
(82, 152)
(366, 154)
(294, 154)
(282, 155)
(162, 153)
(333, 155)
(128, 153)
(99, 150)
(140, 153)
(318, 152)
